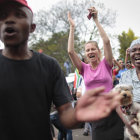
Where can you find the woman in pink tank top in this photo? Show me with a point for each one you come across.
(98, 72)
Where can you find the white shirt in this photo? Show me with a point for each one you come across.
(130, 77)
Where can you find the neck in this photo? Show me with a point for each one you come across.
(17, 53)
(94, 64)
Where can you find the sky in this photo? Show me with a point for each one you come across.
(128, 12)
(128, 16)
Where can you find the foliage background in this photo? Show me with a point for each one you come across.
(51, 35)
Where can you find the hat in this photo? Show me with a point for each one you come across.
(22, 2)
(135, 42)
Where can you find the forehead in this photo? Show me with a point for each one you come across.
(90, 45)
(136, 46)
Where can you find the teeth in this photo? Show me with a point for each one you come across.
(91, 56)
(137, 58)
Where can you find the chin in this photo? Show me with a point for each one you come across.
(11, 44)
(93, 60)
(137, 65)
(11, 41)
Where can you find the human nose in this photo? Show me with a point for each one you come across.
(10, 19)
(91, 51)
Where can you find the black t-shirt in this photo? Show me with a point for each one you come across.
(27, 89)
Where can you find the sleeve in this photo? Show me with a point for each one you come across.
(61, 91)
(118, 75)
(83, 68)
(108, 67)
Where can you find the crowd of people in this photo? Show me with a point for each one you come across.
(30, 82)
(99, 72)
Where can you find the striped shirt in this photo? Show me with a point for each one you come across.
(130, 77)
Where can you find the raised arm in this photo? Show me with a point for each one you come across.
(127, 55)
(73, 55)
(117, 64)
(106, 41)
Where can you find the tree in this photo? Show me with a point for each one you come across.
(55, 19)
(56, 46)
(53, 26)
(125, 40)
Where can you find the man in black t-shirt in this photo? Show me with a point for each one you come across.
(31, 81)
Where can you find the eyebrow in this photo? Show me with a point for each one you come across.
(135, 48)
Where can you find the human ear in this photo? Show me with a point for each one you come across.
(33, 27)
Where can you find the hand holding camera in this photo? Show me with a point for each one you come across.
(92, 13)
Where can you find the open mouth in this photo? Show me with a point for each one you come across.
(137, 59)
(10, 31)
(91, 56)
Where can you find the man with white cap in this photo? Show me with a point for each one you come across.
(132, 76)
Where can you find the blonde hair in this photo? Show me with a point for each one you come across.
(95, 44)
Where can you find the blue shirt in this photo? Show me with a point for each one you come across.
(120, 72)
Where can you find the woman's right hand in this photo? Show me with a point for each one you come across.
(71, 22)
(93, 11)
(127, 51)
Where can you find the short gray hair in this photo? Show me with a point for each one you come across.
(135, 42)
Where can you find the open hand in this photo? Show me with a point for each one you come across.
(127, 51)
(71, 22)
(93, 105)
